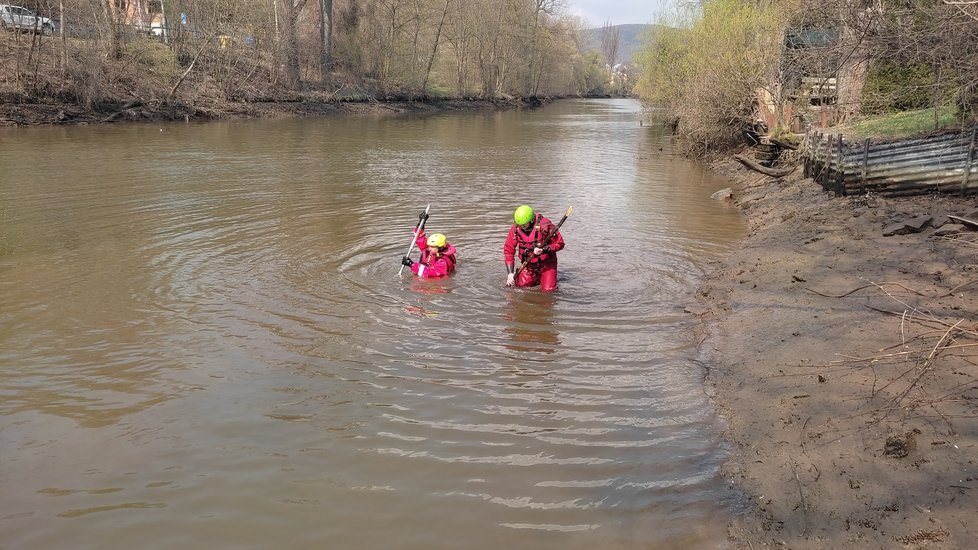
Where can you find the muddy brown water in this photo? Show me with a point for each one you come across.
(204, 340)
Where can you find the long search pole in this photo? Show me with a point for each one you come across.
(417, 230)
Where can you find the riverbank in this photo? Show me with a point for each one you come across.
(845, 365)
(23, 112)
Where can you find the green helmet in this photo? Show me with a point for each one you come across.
(438, 240)
(523, 215)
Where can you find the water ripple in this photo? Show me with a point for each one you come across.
(219, 307)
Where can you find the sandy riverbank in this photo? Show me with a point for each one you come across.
(845, 364)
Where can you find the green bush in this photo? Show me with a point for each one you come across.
(592, 76)
(708, 68)
(892, 87)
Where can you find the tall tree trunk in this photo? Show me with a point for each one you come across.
(491, 81)
(108, 10)
(326, 37)
(461, 45)
(385, 65)
(534, 51)
(63, 58)
(293, 76)
(434, 48)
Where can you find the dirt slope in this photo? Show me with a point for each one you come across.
(846, 365)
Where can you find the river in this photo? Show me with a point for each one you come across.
(205, 342)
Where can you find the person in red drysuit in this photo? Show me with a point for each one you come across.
(525, 241)
(437, 254)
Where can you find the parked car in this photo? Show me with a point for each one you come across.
(17, 17)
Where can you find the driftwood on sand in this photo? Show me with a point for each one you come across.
(773, 172)
(964, 221)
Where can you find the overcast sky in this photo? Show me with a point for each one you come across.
(618, 12)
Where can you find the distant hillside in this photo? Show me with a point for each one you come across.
(631, 38)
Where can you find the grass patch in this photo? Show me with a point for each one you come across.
(899, 125)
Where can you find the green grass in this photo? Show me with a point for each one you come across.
(897, 125)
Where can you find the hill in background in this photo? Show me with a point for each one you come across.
(631, 38)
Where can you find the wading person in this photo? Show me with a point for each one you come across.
(532, 242)
(437, 254)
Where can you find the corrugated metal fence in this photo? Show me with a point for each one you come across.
(943, 163)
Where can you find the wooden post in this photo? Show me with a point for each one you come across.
(840, 182)
(967, 163)
(806, 154)
(826, 153)
(822, 162)
(862, 186)
(817, 137)
(827, 168)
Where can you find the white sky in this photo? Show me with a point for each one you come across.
(618, 12)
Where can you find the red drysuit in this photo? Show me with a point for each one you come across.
(540, 270)
(433, 265)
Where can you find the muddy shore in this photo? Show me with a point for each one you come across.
(845, 364)
(21, 112)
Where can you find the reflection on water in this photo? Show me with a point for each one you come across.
(204, 326)
(529, 320)
(428, 294)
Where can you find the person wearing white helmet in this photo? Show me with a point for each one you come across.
(437, 254)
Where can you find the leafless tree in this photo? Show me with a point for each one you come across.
(326, 36)
(610, 39)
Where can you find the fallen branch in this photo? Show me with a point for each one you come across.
(965, 221)
(957, 288)
(928, 362)
(926, 318)
(773, 172)
(173, 90)
(923, 318)
(801, 493)
(862, 287)
(850, 359)
(122, 110)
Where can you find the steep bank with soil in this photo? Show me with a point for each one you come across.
(126, 75)
(846, 366)
(23, 112)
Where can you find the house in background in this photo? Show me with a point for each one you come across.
(143, 15)
(816, 88)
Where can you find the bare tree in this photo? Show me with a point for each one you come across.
(491, 63)
(434, 47)
(610, 41)
(460, 38)
(918, 53)
(542, 10)
(293, 71)
(259, 48)
(326, 36)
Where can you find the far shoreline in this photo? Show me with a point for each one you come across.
(19, 112)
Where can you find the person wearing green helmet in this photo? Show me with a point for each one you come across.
(437, 254)
(535, 240)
